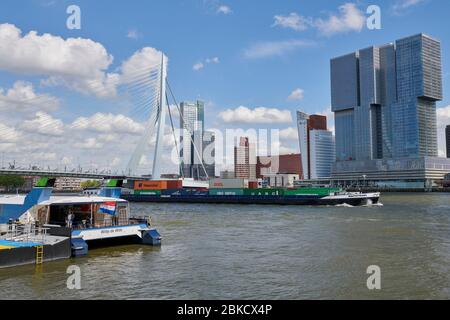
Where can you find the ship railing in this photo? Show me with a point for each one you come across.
(103, 224)
(26, 233)
(141, 220)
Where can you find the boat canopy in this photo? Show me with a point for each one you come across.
(71, 200)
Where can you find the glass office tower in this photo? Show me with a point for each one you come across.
(192, 125)
(384, 100)
(447, 140)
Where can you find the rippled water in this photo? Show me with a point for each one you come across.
(264, 252)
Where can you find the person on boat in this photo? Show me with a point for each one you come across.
(70, 218)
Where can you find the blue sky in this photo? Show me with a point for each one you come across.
(228, 53)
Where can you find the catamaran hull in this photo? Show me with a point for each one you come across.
(83, 240)
(353, 200)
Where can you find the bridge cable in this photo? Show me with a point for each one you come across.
(175, 136)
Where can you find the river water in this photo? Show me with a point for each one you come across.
(264, 252)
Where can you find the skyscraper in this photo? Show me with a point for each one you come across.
(303, 132)
(209, 153)
(321, 153)
(384, 100)
(447, 140)
(192, 124)
(245, 159)
(317, 148)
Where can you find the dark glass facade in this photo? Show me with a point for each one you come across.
(447, 140)
(384, 100)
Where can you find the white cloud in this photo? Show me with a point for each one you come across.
(44, 156)
(296, 95)
(223, 9)
(66, 161)
(22, 98)
(8, 134)
(400, 6)
(140, 62)
(134, 34)
(288, 149)
(275, 48)
(77, 63)
(108, 123)
(88, 144)
(292, 21)
(116, 162)
(43, 124)
(289, 134)
(255, 116)
(349, 18)
(443, 120)
(215, 60)
(198, 66)
(281, 148)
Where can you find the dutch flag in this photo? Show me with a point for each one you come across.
(109, 208)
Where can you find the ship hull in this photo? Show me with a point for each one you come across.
(266, 200)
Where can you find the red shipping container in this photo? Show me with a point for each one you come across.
(253, 184)
(158, 185)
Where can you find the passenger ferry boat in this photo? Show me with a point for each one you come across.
(42, 227)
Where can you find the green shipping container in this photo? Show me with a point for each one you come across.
(147, 192)
(323, 192)
(264, 192)
(226, 192)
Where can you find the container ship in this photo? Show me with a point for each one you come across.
(239, 191)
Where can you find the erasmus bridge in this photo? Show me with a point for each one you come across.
(155, 89)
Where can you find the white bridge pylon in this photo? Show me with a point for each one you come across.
(155, 125)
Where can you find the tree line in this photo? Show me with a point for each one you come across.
(11, 182)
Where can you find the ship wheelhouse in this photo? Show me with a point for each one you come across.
(83, 212)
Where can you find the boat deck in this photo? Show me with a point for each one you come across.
(6, 244)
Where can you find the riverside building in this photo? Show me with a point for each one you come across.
(196, 143)
(317, 146)
(384, 101)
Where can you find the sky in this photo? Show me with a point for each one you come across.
(65, 97)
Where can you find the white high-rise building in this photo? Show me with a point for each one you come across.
(317, 146)
(322, 153)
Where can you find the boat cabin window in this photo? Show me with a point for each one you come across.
(86, 216)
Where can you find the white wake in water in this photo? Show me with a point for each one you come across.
(344, 205)
(369, 205)
(379, 204)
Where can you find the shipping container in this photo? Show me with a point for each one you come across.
(185, 192)
(253, 184)
(228, 184)
(311, 191)
(147, 192)
(158, 185)
(199, 192)
(172, 192)
(264, 192)
(226, 192)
